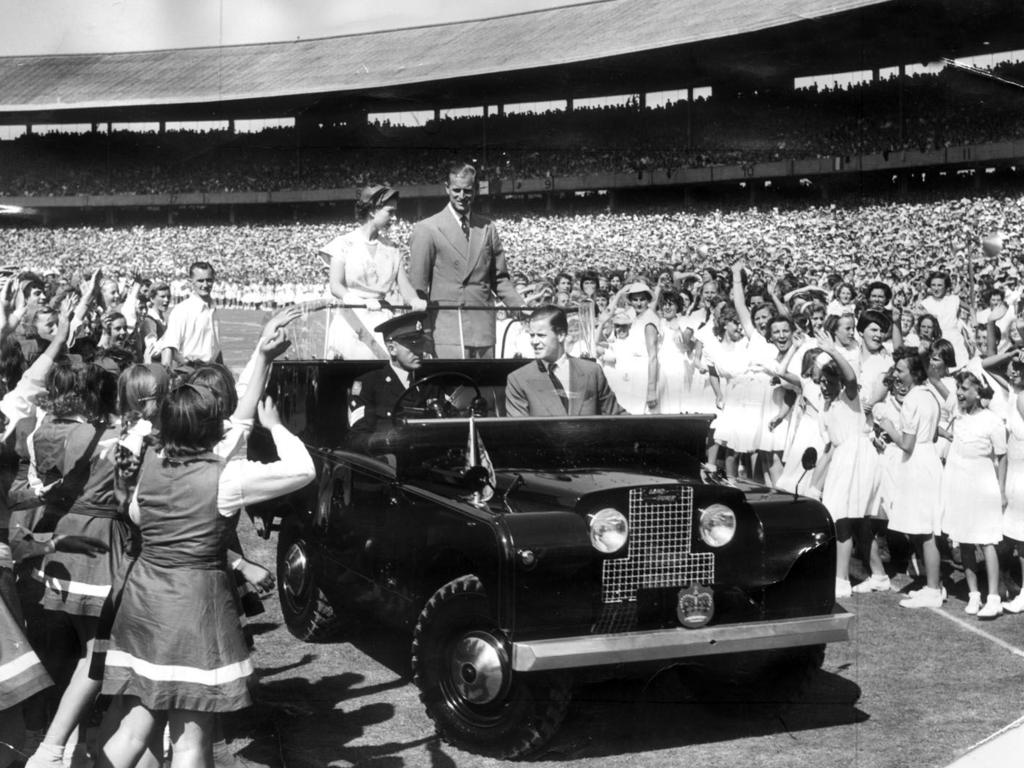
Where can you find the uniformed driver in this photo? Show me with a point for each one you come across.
(374, 394)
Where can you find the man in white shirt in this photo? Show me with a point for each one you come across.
(192, 329)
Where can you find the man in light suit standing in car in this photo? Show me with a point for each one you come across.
(456, 261)
(556, 384)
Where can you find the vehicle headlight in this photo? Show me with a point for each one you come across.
(609, 530)
(717, 525)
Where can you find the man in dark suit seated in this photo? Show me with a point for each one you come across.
(556, 384)
(374, 394)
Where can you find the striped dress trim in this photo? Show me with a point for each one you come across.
(20, 678)
(177, 673)
(69, 586)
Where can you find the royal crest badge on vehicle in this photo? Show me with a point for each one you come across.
(695, 605)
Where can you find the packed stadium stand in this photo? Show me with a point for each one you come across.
(937, 111)
(748, 53)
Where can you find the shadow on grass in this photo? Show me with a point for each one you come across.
(261, 627)
(657, 713)
(285, 708)
(389, 647)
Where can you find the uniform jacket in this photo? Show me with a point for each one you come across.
(447, 269)
(373, 397)
(529, 392)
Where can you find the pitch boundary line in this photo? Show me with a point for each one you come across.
(1002, 644)
(1008, 727)
(980, 632)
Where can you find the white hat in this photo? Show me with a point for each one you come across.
(639, 287)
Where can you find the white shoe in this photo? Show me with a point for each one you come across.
(993, 607)
(973, 603)
(874, 584)
(1016, 605)
(843, 588)
(926, 597)
(916, 592)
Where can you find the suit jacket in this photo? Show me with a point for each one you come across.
(529, 392)
(445, 268)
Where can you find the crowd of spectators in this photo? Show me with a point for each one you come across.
(925, 111)
(901, 241)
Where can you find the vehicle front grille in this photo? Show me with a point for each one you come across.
(659, 556)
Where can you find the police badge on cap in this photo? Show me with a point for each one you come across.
(407, 328)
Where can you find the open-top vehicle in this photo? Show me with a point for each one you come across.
(523, 551)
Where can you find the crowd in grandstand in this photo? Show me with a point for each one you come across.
(926, 111)
(261, 263)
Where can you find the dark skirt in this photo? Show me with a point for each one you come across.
(177, 641)
(79, 584)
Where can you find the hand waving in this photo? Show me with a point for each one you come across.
(268, 414)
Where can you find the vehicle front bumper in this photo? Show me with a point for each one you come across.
(679, 643)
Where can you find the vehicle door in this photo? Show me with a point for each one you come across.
(352, 509)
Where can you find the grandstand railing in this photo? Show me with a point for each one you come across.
(970, 155)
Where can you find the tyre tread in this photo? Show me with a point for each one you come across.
(319, 623)
(533, 735)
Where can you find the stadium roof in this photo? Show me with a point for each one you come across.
(600, 48)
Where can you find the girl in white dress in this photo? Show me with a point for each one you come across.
(784, 386)
(675, 366)
(844, 330)
(843, 300)
(914, 507)
(890, 463)
(701, 321)
(751, 402)
(728, 358)
(941, 360)
(945, 306)
(974, 488)
(1013, 516)
(851, 480)
(365, 266)
(805, 423)
(928, 332)
(637, 360)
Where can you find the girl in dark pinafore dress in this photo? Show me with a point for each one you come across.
(176, 650)
(71, 454)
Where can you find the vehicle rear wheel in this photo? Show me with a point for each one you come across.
(461, 665)
(307, 612)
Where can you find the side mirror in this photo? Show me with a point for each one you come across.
(809, 460)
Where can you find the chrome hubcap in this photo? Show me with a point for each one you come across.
(296, 571)
(479, 668)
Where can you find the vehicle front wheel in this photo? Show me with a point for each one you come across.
(461, 665)
(307, 612)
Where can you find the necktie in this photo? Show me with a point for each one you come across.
(558, 387)
(465, 226)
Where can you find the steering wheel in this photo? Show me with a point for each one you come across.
(443, 402)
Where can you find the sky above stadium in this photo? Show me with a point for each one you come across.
(30, 27)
